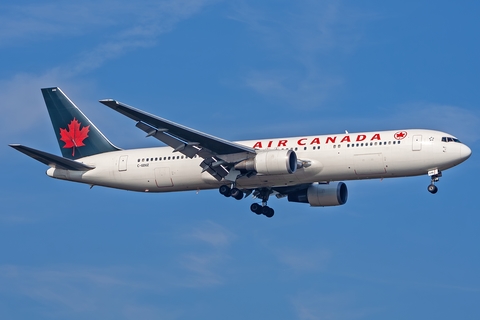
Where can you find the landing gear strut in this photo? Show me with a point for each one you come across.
(264, 194)
(435, 176)
(238, 194)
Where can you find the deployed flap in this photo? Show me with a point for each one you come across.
(51, 159)
(183, 134)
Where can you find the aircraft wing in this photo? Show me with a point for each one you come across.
(51, 159)
(219, 154)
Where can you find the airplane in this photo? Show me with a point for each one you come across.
(305, 169)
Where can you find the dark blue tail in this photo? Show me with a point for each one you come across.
(77, 136)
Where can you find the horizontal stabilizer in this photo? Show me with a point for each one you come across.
(51, 159)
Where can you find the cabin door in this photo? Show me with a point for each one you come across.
(417, 143)
(122, 163)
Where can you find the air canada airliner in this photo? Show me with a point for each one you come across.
(305, 169)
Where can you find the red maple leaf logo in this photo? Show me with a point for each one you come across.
(73, 137)
(400, 135)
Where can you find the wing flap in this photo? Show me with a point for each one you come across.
(187, 148)
(181, 133)
(51, 159)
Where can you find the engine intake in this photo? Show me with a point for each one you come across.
(321, 195)
(270, 162)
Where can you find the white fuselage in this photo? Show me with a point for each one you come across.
(347, 156)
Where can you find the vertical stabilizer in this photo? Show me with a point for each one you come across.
(77, 135)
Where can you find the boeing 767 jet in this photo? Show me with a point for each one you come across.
(305, 169)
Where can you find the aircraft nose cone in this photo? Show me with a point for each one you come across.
(465, 152)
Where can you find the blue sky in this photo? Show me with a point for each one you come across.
(240, 70)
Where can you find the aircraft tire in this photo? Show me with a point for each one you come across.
(225, 190)
(268, 212)
(432, 189)
(256, 208)
(237, 193)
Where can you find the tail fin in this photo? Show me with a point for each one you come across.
(77, 136)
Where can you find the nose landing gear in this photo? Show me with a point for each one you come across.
(435, 176)
(432, 188)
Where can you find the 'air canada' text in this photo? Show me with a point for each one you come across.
(316, 141)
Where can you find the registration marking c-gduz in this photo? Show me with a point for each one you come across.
(303, 169)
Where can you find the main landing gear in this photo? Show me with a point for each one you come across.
(435, 176)
(257, 208)
(262, 209)
(231, 192)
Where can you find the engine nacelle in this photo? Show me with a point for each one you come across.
(270, 162)
(321, 195)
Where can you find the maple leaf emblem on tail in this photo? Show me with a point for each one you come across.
(73, 137)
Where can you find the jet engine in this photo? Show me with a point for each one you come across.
(270, 162)
(321, 195)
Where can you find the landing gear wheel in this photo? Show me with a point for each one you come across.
(432, 189)
(237, 193)
(268, 212)
(255, 207)
(225, 190)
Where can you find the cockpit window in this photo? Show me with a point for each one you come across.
(450, 139)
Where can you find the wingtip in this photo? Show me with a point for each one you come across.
(50, 89)
(111, 103)
(108, 102)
